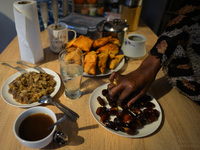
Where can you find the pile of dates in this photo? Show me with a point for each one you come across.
(126, 119)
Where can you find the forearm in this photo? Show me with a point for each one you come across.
(151, 64)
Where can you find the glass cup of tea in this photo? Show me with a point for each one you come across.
(71, 70)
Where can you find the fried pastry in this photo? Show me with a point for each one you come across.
(102, 61)
(101, 42)
(115, 61)
(70, 43)
(90, 63)
(82, 42)
(111, 56)
(115, 41)
(73, 55)
(110, 48)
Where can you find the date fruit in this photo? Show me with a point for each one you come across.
(126, 119)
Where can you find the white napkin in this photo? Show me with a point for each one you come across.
(28, 31)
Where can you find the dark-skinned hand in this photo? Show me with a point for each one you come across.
(130, 87)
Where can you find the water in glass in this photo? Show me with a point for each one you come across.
(72, 75)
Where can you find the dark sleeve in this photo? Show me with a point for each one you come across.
(177, 33)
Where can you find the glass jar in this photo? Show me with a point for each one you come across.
(131, 11)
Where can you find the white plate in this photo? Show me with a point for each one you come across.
(8, 98)
(108, 71)
(146, 130)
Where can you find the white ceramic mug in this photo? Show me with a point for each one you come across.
(134, 46)
(58, 36)
(40, 143)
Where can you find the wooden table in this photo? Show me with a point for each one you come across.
(181, 117)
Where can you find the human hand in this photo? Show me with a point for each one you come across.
(129, 88)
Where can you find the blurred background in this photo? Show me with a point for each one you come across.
(155, 13)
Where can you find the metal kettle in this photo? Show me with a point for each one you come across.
(116, 28)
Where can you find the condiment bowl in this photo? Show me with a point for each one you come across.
(31, 111)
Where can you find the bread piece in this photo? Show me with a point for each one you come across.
(83, 42)
(110, 48)
(102, 62)
(115, 61)
(90, 63)
(101, 42)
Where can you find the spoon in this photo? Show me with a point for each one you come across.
(59, 121)
(71, 114)
(65, 7)
(55, 11)
(60, 138)
(44, 13)
(35, 67)
(21, 70)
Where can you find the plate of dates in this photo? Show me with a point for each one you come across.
(139, 120)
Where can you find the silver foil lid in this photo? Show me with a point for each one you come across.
(133, 3)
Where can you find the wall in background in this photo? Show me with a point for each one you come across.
(157, 13)
(152, 13)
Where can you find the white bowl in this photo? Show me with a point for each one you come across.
(134, 45)
(40, 143)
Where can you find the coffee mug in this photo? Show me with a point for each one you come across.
(134, 46)
(58, 36)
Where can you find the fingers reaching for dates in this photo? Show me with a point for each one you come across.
(124, 118)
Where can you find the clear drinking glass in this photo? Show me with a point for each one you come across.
(71, 70)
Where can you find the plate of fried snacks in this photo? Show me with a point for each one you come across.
(25, 90)
(101, 56)
(139, 120)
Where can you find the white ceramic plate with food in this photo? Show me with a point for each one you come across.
(8, 98)
(108, 71)
(144, 131)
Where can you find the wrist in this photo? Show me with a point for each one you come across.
(152, 63)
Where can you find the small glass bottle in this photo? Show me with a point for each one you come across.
(85, 10)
